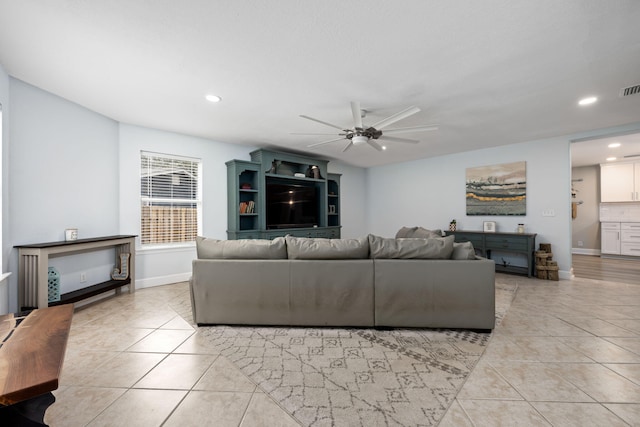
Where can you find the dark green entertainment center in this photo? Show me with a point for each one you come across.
(275, 194)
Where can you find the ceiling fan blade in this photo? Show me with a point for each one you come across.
(297, 133)
(357, 114)
(349, 145)
(320, 121)
(391, 138)
(412, 129)
(374, 144)
(324, 142)
(396, 117)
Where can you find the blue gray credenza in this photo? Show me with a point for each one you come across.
(486, 243)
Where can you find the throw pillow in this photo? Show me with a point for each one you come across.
(405, 232)
(241, 249)
(420, 232)
(317, 248)
(423, 233)
(410, 248)
(463, 250)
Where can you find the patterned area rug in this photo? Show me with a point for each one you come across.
(358, 377)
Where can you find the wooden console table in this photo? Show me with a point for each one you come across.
(485, 243)
(33, 269)
(32, 350)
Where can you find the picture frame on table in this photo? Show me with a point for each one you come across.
(489, 226)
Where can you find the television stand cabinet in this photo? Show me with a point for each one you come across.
(33, 266)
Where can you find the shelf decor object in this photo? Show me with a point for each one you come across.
(71, 234)
(53, 284)
(489, 226)
(122, 273)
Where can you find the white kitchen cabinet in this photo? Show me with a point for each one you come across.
(630, 238)
(610, 242)
(620, 182)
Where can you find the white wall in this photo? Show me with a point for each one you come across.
(63, 172)
(431, 192)
(586, 224)
(353, 184)
(4, 170)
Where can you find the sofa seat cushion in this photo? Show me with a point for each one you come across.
(241, 249)
(317, 248)
(411, 248)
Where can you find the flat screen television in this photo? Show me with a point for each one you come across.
(291, 205)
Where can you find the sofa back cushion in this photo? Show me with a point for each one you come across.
(241, 249)
(317, 248)
(411, 248)
(463, 250)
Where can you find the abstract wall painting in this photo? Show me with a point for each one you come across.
(497, 189)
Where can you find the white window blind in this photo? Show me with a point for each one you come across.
(170, 198)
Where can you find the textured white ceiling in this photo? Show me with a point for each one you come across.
(490, 73)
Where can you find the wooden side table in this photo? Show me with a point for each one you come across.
(32, 350)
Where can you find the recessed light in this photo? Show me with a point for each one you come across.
(614, 145)
(610, 159)
(213, 98)
(587, 101)
(384, 147)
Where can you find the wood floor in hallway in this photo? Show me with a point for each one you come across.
(615, 270)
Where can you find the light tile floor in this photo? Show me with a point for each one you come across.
(566, 354)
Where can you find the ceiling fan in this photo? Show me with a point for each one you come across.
(360, 134)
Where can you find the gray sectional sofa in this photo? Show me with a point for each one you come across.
(366, 282)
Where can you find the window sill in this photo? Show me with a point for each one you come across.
(153, 249)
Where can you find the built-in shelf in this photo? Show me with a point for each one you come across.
(270, 167)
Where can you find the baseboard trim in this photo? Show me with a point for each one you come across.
(162, 280)
(582, 251)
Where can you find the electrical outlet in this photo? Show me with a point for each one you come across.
(83, 277)
(580, 243)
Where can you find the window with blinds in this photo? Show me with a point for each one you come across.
(170, 199)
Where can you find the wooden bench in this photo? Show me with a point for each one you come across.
(32, 349)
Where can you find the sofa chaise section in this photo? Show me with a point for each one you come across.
(435, 293)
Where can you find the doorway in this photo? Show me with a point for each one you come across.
(586, 158)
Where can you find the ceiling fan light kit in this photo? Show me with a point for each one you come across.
(359, 139)
(360, 134)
